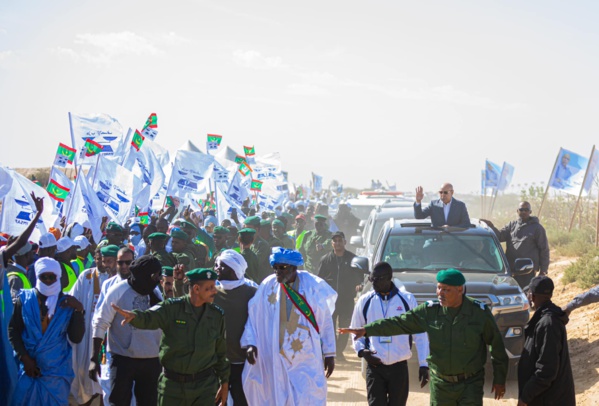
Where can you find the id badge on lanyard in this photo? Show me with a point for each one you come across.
(385, 340)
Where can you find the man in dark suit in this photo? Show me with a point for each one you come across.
(445, 211)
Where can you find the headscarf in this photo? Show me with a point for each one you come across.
(237, 263)
(140, 280)
(284, 256)
(46, 265)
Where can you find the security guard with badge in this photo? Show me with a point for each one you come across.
(459, 330)
(193, 347)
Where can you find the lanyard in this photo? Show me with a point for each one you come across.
(385, 309)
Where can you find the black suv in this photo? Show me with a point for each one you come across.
(417, 251)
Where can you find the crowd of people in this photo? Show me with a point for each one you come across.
(187, 310)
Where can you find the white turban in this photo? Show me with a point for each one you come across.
(235, 261)
(48, 265)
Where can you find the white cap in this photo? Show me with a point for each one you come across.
(47, 240)
(64, 244)
(81, 241)
(75, 230)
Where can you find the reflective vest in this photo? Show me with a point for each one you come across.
(72, 278)
(78, 266)
(24, 280)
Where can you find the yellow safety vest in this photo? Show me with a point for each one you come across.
(26, 283)
(78, 266)
(72, 278)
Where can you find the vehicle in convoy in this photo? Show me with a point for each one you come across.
(398, 210)
(417, 251)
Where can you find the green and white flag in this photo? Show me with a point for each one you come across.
(256, 185)
(244, 169)
(57, 191)
(65, 155)
(150, 129)
(213, 141)
(91, 148)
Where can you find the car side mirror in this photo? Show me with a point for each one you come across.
(361, 263)
(362, 225)
(522, 266)
(356, 241)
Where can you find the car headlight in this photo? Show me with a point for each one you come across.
(513, 300)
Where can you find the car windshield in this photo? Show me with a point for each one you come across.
(446, 250)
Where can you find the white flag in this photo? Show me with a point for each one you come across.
(116, 187)
(239, 188)
(85, 208)
(145, 166)
(101, 128)
(59, 177)
(18, 207)
(191, 173)
(5, 181)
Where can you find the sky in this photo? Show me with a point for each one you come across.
(412, 93)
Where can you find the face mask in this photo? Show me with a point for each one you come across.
(51, 292)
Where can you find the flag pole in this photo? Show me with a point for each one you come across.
(548, 183)
(597, 223)
(494, 197)
(73, 144)
(72, 195)
(126, 154)
(96, 169)
(584, 181)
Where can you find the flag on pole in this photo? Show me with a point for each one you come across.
(256, 185)
(244, 168)
(150, 129)
(65, 155)
(101, 128)
(250, 154)
(213, 141)
(91, 148)
(569, 172)
(492, 174)
(144, 218)
(507, 173)
(138, 140)
(317, 182)
(239, 159)
(57, 191)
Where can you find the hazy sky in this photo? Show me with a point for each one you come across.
(412, 92)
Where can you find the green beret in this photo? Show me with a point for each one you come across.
(320, 217)
(252, 221)
(278, 223)
(247, 231)
(188, 224)
(201, 274)
(264, 223)
(160, 236)
(167, 271)
(182, 235)
(112, 226)
(218, 230)
(110, 251)
(451, 277)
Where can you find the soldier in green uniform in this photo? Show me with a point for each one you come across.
(315, 243)
(260, 247)
(459, 330)
(181, 249)
(278, 232)
(219, 235)
(157, 244)
(245, 239)
(193, 347)
(201, 245)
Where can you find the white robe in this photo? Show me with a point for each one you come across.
(82, 387)
(291, 374)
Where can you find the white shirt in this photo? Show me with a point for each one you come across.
(446, 208)
(393, 349)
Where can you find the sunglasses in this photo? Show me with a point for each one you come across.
(445, 192)
(128, 262)
(47, 277)
(281, 267)
(523, 209)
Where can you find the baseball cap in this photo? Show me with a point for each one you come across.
(81, 241)
(47, 240)
(64, 244)
(540, 285)
(338, 234)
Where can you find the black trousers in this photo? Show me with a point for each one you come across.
(125, 371)
(388, 385)
(342, 318)
(235, 386)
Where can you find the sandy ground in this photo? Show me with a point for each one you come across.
(347, 387)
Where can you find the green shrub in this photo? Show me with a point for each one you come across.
(585, 271)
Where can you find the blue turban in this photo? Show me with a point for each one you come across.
(283, 256)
